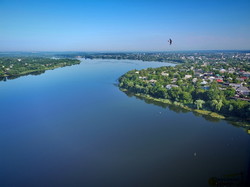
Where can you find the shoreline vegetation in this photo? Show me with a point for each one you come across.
(169, 102)
(202, 112)
(180, 107)
(14, 67)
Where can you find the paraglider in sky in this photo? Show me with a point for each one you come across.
(170, 41)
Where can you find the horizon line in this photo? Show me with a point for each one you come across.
(160, 51)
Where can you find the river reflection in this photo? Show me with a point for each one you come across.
(244, 125)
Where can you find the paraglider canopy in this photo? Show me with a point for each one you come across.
(170, 41)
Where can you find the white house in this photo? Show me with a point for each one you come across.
(164, 74)
(169, 86)
(203, 82)
(188, 76)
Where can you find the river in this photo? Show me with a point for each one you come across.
(72, 126)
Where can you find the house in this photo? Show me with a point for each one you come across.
(240, 79)
(143, 78)
(234, 85)
(208, 73)
(152, 81)
(243, 90)
(211, 78)
(244, 78)
(204, 64)
(222, 88)
(219, 80)
(204, 82)
(169, 86)
(231, 70)
(194, 80)
(223, 70)
(164, 74)
(246, 74)
(187, 76)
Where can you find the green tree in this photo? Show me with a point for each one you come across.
(229, 92)
(199, 103)
(216, 104)
(186, 97)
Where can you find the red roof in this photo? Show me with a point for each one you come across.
(219, 80)
(244, 78)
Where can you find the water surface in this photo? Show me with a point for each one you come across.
(73, 127)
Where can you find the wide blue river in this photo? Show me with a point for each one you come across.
(72, 126)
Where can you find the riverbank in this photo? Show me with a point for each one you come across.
(13, 67)
(167, 101)
(204, 113)
(29, 72)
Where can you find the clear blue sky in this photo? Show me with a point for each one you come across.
(124, 25)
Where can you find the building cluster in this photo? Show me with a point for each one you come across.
(228, 76)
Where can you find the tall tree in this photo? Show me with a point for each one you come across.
(216, 104)
(199, 103)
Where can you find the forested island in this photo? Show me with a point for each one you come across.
(13, 67)
(208, 86)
